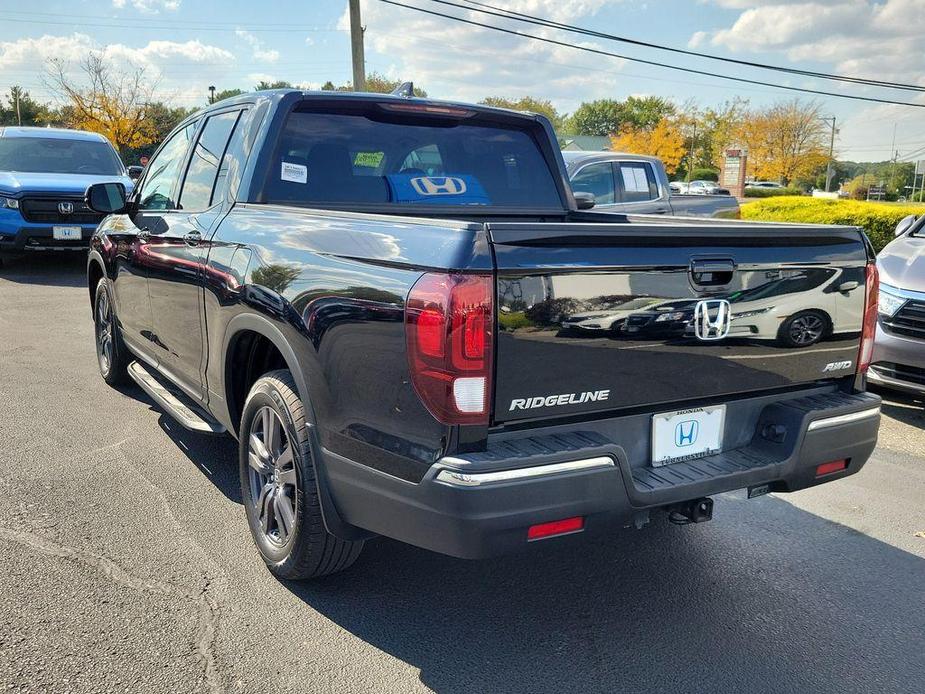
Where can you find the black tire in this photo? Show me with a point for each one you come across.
(113, 362)
(279, 486)
(804, 329)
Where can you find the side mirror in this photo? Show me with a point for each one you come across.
(134, 172)
(848, 286)
(107, 198)
(904, 224)
(585, 201)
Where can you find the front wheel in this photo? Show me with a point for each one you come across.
(279, 488)
(111, 353)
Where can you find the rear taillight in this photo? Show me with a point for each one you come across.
(869, 327)
(448, 323)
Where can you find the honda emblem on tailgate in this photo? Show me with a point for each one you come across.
(711, 319)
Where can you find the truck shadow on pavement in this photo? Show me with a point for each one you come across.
(767, 598)
(54, 269)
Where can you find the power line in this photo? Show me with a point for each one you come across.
(599, 51)
(539, 21)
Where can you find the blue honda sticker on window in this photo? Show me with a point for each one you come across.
(453, 189)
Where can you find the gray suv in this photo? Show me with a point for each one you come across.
(899, 348)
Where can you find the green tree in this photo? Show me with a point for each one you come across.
(644, 113)
(601, 117)
(29, 111)
(528, 103)
(164, 118)
(375, 82)
(228, 93)
(278, 84)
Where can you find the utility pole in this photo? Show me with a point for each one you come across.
(18, 114)
(690, 163)
(830, 169)
(895, 157)
(356, 47)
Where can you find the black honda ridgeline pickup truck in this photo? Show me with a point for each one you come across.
(372, 294)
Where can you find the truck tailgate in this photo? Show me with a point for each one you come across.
(597, 317)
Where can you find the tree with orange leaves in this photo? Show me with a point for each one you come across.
(664, 140)
(112, 103)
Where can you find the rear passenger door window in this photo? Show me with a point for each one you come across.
(199, 184)
(637, 182)
(597, 179)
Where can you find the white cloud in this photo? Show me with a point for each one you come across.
(856, 37)
(260, 53)
(164, 62)
(878, 39)
(458, 61)
(149, 6)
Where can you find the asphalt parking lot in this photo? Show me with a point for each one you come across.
(126, 566)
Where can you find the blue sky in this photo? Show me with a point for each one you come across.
(186, 45)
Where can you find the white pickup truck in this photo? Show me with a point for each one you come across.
(637, 184)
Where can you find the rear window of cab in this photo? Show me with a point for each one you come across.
(335, 158)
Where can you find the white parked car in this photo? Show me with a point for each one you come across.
(782, 309)
(610, 319)
(706, 188)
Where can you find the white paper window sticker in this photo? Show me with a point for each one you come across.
(296, 173)
(634, 179)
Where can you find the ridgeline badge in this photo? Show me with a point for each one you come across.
(554, 400)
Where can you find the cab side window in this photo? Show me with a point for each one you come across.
(596, 179)
(158, 186)
(207, 156)
(637, 181)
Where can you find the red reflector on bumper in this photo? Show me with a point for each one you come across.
(559, 527)
(829, 468)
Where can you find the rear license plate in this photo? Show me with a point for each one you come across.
(687, 434)
(66, 233)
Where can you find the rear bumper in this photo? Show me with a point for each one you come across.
(481, 504)
(898, 362)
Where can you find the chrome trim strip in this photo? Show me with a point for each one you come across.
(902, 293)
(478, 479)
(844, 418)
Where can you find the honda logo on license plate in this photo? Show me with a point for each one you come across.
(711, 319)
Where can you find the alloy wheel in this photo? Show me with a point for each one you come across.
(272, 475)
(104, 342)
(806, 330)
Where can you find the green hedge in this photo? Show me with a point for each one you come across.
(879, 220)
(770, 192)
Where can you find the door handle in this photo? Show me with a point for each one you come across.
(193, 238)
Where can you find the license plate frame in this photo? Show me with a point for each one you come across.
(687, 434)
(66, 233)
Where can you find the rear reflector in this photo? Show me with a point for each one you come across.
(829, 468)
(559, 527)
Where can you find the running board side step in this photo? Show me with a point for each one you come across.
(171, 403)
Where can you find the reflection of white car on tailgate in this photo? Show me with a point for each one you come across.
(798, 307)
(610, 318)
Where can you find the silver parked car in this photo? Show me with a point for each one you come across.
(899, 348)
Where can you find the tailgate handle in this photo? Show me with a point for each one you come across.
(712, 273)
